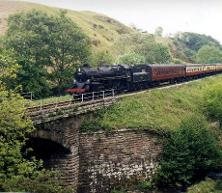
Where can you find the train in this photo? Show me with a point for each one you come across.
(125, 78)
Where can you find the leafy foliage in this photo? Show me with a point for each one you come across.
(131, 58)
(145, 186)
(144, 46)
(194, 41)
(102, 58)
(207, 186)
(16, 172)
(190, 152)
(159, 31)
(48, 48)
(190, 43)
(213, 105)
(8, 68)
(43, 181)
(13, 131)
(209, 55)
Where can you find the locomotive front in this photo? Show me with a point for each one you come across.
(81, 82)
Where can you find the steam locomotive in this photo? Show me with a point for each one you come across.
(124, 78)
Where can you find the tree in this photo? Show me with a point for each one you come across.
(8, 68)
(68, 48)
(189, 154)
(48, 49)
(209, 55)
(154, 53)
(131, 58)
(101, 58)
(143, 45)
(194, 41)
(159, 31)
(188, 44)
(16, 172)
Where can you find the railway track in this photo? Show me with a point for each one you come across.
(47, 112)
(54, 111)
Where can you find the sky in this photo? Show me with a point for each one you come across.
(200, 16)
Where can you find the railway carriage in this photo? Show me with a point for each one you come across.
(218, 67)
(161, 73)
(210, 68)
(195, 70)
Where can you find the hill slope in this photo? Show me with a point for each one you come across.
(101, 29)
(159, 110)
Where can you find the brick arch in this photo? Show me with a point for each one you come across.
(52, 136)
(64, 133)
(47, 150)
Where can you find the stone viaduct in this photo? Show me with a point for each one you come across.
(92, 162)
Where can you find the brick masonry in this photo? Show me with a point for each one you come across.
(64, 132)
(121, 158)
(98, 162)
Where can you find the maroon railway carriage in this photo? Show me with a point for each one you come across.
(161, 73)
(194, 70)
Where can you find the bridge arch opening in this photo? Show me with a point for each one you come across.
(46, 150)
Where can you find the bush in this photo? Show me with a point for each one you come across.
(43, 181)
(206, 186)
(102, 58)
(145, 186)
(131, 59)
(190, 152)
(209, 55)
(213, 105)
(16, 172)
(118, 191)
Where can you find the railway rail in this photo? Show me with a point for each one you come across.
(53, 111)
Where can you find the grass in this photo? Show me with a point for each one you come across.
(161, 110)
(49, 100)
(207, 186)
(101, 29)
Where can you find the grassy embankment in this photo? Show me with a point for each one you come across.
(207, 186)
(161, 110)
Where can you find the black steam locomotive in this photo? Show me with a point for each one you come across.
(128, 78)
(118, 77)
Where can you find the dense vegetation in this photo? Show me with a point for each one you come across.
(191, 152)
(47, 49)
(207, 186)
(16, 172)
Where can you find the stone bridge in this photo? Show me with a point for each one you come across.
(92, 162)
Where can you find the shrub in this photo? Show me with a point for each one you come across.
(43, 181)
(189, 153)
(145, 186)
(16, 172)
(213, 105)
(131, 58)
(118, 191)
(206, 186)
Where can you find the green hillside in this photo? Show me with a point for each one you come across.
(101, 29)
(161, 110)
